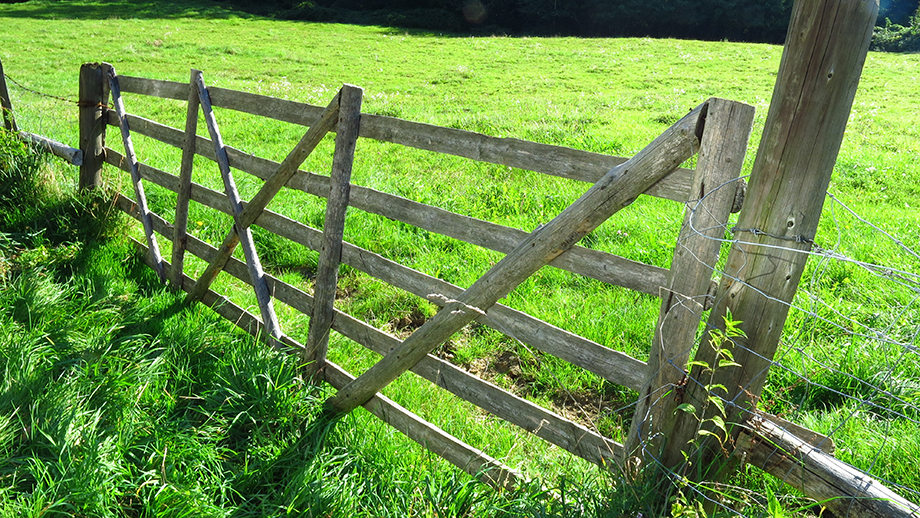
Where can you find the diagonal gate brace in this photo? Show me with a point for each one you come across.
(254, 208)
(135, 174)
(256, 274)
(616, 190)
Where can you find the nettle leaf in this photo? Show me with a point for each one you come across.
(719, 423)
(717, 401)
(707, 433)
(728, 363)
(686, 407)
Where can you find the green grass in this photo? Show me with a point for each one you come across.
(610, 96)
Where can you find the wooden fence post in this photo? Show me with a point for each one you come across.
(93, 97)
(825, 50)
(6, 105)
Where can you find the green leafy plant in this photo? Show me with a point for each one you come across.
(714, 426)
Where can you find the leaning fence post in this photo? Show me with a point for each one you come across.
(6, 105)
(93, 94)
(825, 50)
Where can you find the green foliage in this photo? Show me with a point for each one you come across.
(745, 20)
(893, 37)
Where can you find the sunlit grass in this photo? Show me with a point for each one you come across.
(602, 95)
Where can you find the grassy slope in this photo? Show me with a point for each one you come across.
(603, 95)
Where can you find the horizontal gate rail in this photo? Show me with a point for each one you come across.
(547, 425)
(613, 365)
(596, 264)
(542, 158)
(470, 459)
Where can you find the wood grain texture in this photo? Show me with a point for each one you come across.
(6, 105)
(602, 266)
(138, 185)
(330, 255)
(185, 181)
(94, 93)
(842, 489)
(822, 61)
(723, 146)
(274, 181)
(467, 458)
(58, 149)
(266, 306)
(550, 426)
(613, 192)
(543, 158)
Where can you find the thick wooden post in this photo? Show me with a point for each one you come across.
(93, 97)
(825, 51)
(6, 105)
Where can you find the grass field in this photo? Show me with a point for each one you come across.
(120, 399)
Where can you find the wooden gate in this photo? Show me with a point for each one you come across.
(717, 131)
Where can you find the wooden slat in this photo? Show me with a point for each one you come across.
(615, 191)
(6, 105)
(155, 87)
(135, 174)
(602, 266)
(70, 154)
(236, 207)
(471, 460)
(281, 174)
(185, 182)
(327, 269)
(467, 458)
(839, 487)
(547, 425)
(610, 364)
(543, 158)
(725, 137)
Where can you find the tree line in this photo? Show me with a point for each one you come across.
(735, 20)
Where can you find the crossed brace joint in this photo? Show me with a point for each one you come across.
(341, 115)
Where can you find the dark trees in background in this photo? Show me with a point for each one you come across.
(735, 20)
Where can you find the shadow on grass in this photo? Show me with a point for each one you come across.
(120, 9)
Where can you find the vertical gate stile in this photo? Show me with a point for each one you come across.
(721, 155)
(185, 183)
(314, 356)
(257, 275)
(135, 174)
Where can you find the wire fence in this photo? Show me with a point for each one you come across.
(848, 365)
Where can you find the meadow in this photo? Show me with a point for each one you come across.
(119, 399)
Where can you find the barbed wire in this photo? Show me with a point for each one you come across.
(50, 96)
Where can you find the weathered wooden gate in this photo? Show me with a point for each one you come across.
(717, 131)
